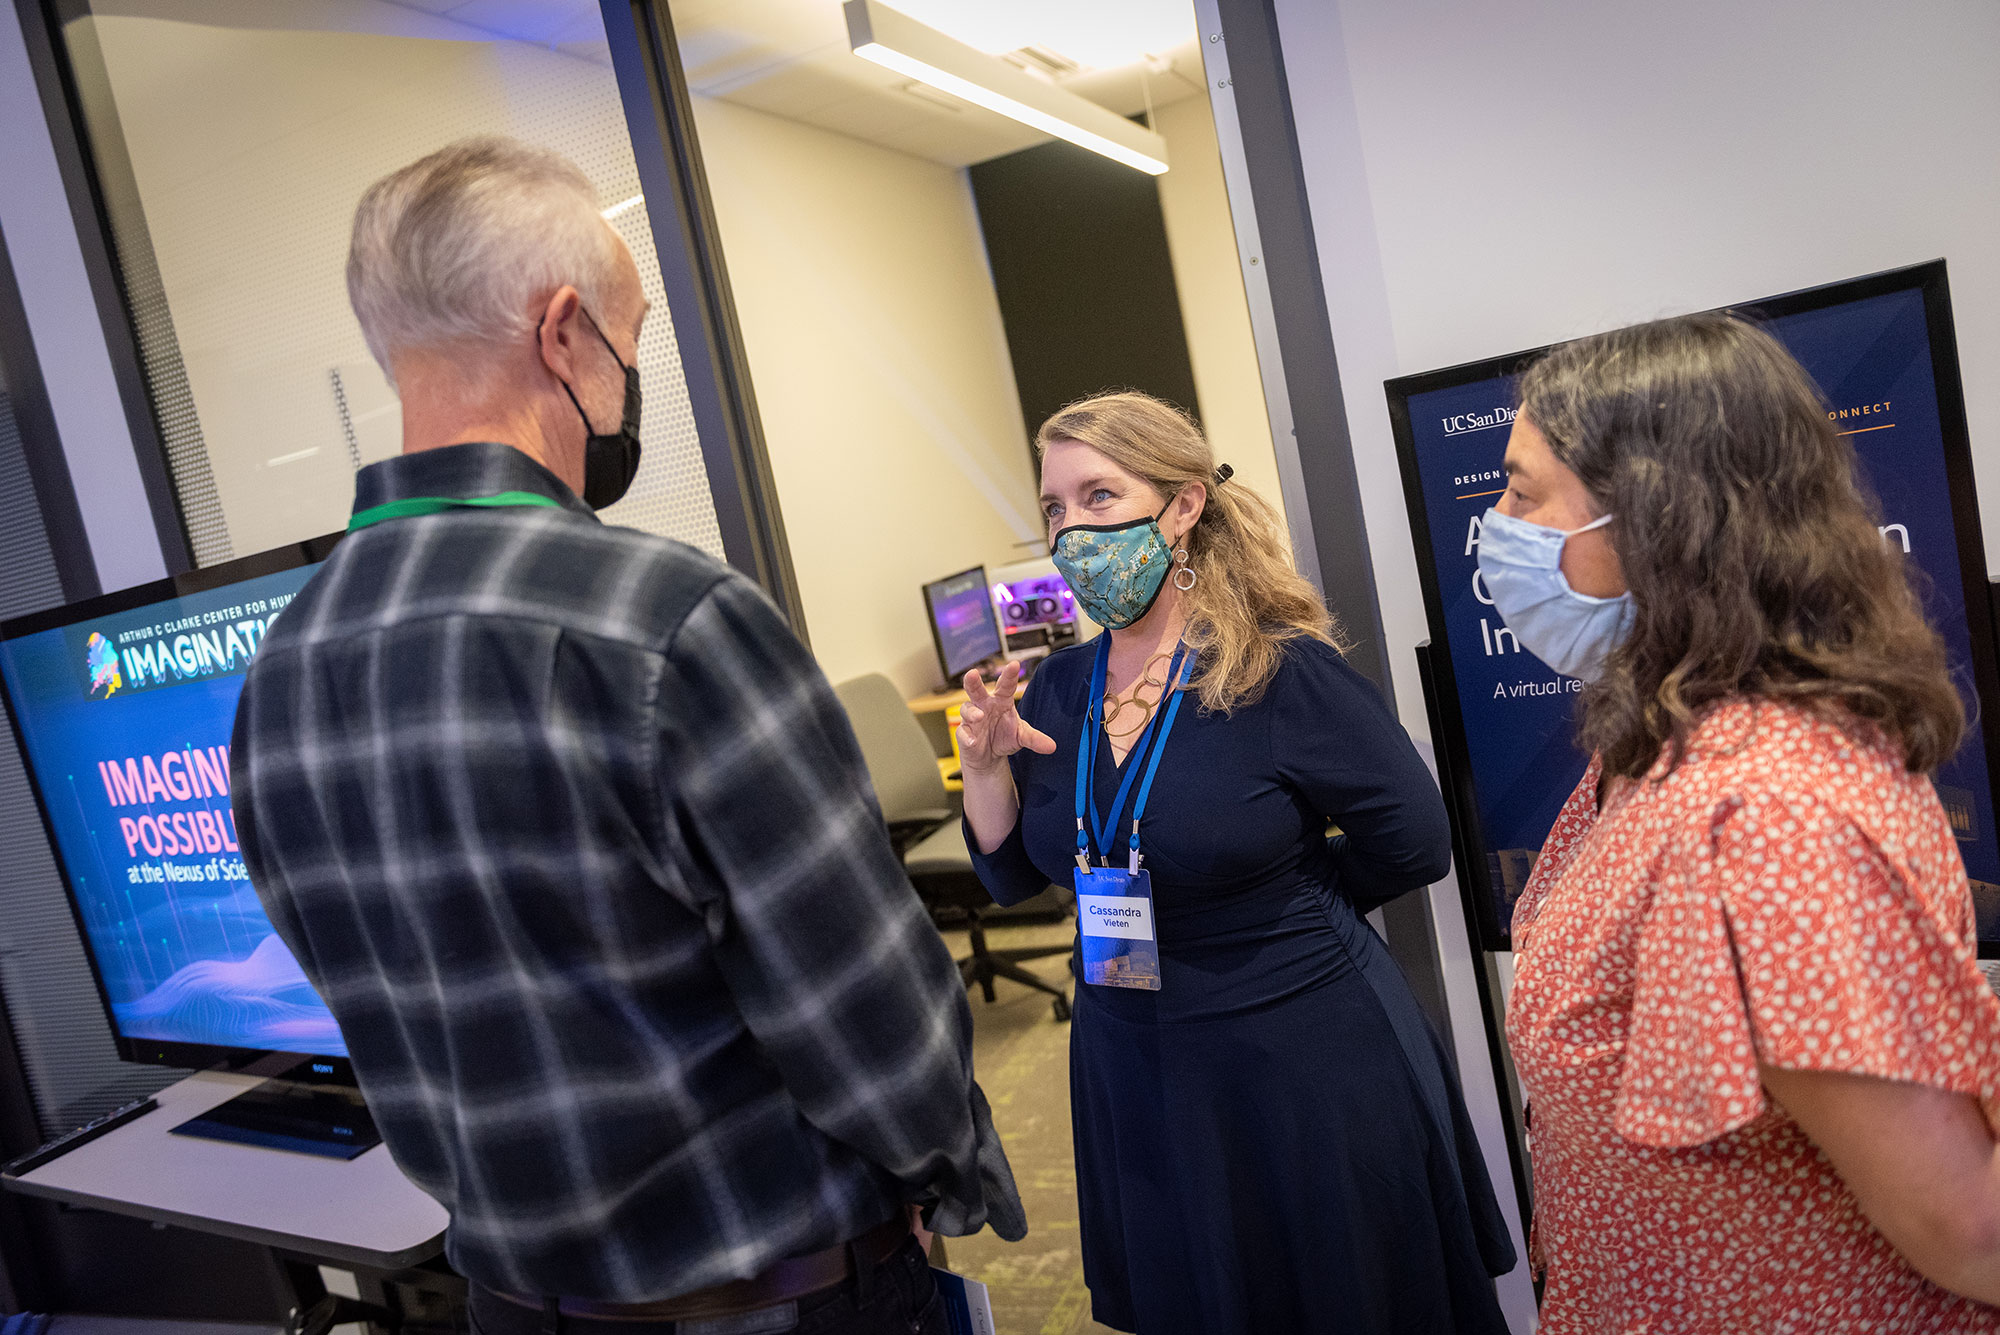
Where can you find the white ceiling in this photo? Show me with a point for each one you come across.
(1098, 34)
(543, 22)
(791, 58)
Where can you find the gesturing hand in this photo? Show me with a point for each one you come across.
(989, 727)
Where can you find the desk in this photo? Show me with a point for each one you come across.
(358, 1214)
(359, 1211)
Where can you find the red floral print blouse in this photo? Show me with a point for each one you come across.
(1790, 894)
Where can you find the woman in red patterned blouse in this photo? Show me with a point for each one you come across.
(1763, 1066)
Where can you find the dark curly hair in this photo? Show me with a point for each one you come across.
(1751, 550)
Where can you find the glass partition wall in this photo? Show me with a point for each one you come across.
(231, 140)
(228, 142)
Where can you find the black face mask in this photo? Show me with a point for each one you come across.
(610, 462)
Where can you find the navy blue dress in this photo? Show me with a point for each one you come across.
(1275, 1140)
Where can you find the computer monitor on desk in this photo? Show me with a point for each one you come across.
(964, 625)
(123, 707)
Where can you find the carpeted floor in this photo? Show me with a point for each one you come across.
(1021, 1055)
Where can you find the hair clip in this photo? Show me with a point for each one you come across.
(1223, 474)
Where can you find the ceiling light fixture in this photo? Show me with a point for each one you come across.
(897, 42)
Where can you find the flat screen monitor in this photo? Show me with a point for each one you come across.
(964, 625)
(123, 708)
(1883, 353)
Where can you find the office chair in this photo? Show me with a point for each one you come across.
(926, 833)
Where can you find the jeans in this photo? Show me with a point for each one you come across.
(898, 1297)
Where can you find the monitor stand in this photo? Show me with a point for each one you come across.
(303, 1107)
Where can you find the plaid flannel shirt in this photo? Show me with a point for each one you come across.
(575, 841)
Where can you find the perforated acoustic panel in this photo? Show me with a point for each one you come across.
(670, 496)
(28, 580)
(59, 1027)
(173, 400)
(248, 236)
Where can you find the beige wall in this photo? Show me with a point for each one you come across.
(881, 366)
(1202, 243)
(881, 374)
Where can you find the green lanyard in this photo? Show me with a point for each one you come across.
(431, 505)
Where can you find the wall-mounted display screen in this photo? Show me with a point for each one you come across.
(123, 707)
(1882, 351)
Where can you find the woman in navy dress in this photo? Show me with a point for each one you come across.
(1273, 1141)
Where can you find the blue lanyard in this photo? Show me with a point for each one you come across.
(1086, 758)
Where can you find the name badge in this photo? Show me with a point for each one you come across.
(1126, 917)
(1114, 915)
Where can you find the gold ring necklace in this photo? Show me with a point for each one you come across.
(1115, 708)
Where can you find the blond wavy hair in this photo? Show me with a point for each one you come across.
(1248, 598)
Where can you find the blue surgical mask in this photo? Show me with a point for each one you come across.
(1521, 564)
(1115, 570)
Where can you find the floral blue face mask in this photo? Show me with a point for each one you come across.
(1115, 570)
(1521, 565)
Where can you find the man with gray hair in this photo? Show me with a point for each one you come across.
(573, 838)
